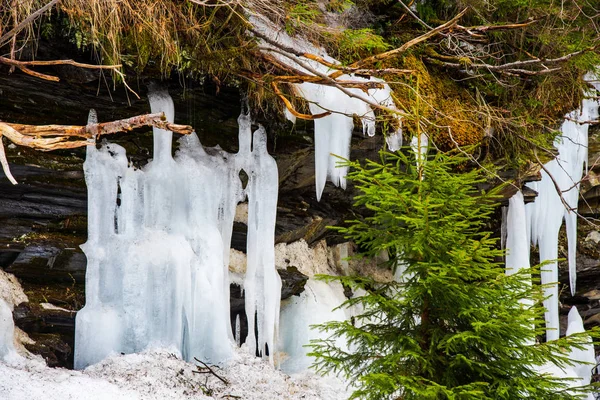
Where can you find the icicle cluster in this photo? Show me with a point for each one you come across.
(546, 214)
(158, 246)
(332, 132)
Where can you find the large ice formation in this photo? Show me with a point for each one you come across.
(334, 131)
(158, 246)
(546, 214)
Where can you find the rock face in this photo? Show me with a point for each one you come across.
(43, 219)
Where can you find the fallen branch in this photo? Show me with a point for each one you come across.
(60, 137)
(335, 84)
(322, 61)
(105, 128)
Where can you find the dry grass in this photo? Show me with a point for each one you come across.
(182, 35)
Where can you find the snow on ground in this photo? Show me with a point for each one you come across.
(160, 375)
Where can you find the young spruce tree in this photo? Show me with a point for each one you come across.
(454, 326)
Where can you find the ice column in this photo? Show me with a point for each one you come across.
(517, 245)
(545, 215)
(157, 242)
(262, 283)
(580, 373)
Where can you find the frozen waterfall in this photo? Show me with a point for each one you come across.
(546, 214)
(158, 246)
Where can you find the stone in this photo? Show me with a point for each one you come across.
(593, 236)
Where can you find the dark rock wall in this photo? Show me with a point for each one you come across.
(43, 219)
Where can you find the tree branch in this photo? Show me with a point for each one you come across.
(55, 137)
(409, 44)
(32, 17)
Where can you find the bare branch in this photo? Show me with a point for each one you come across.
(409, 44)
(291, 108)
(32, 17)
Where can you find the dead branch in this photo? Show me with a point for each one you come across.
(513, 68)
(4, 163)
(60, 137)
(105, 128)
(38, 74)
(23, 66)
(322, 61)
(208, 369)
(364, 86)
(589, 122)
(335, 84)
(32, 17)
(57, 62)
(291, 108)
(407, 45)
(485, 28)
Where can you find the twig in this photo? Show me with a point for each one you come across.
(14, 31)
(409, 44)
(291, 108)
(334, 83)
(225, 381)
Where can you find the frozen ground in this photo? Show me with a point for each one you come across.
(159, 375)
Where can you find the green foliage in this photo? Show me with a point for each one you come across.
(454, 326)
(301, 14)
(339, 5)
(355, 44)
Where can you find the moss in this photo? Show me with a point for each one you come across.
(69, 296)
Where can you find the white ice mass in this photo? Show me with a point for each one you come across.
(333, 131)
(158, 247)
(545, 215)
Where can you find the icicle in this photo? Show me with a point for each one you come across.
(262, 284)
(161, 101)
(503, 230)
(546, 214)
(332, 132)
(419, 146)
(238, 339)
(517, 246)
